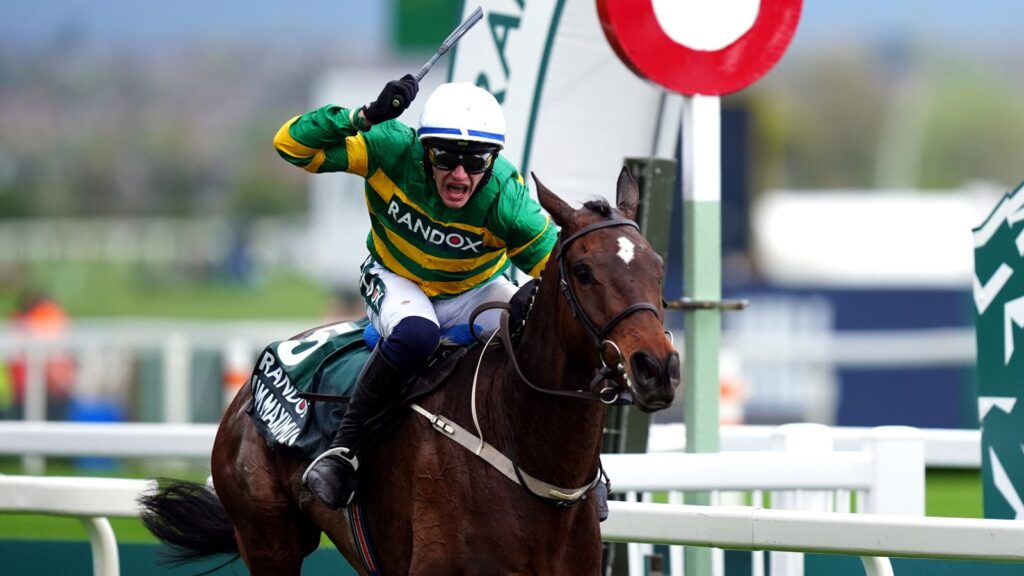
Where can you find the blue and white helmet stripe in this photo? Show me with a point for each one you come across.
(427, 132)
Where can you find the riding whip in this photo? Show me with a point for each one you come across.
(443, 49)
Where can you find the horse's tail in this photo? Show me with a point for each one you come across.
(190, 519)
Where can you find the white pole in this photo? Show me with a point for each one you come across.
(105, 559)
(35, 398)
(801, 438)
(176, 379)
(899, 468)
(702, 262)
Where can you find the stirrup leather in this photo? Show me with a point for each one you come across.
(340, 452)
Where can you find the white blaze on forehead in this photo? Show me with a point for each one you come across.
(626, 249)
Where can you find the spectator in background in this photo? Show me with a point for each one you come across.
(40, 317)
(6, 391)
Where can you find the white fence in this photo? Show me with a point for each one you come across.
(730, 527)
(799, 470)
(795, 374)
(873, 537)
(820, 479)
(106, 352)
(943, 448)
(92, 500)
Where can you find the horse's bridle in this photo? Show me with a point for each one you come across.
(615, 393)
(598, 335)
(608, 394)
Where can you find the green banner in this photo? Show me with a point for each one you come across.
(419, 26)
(999, 314)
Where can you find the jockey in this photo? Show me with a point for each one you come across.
(448, 217)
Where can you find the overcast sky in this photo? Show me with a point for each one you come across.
(141, 22)
(365, 22)
(981, 22)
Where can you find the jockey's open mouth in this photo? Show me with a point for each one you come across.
(456, 188)
(456, 193)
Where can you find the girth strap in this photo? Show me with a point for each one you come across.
(501, 463)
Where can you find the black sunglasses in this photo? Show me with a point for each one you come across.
(473, 162)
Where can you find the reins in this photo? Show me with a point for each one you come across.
(504, 334)
(609, 394)
(613, 394)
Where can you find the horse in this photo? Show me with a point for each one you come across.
(520, 499)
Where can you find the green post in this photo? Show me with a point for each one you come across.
(999, 308)
(702, 256)
(655, 178)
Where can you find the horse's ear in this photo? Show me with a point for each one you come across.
(627, 194)
(559, 210)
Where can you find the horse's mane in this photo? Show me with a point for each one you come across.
(599, 205)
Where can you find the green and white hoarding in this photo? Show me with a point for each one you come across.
(999, 307)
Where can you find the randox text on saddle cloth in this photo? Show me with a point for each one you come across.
(281, 412)
(326, 360)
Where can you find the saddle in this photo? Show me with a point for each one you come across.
(300, 387)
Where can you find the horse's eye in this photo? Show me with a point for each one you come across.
(583, 274)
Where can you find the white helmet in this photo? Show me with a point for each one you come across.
(462, 111)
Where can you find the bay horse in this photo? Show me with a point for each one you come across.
(594, 333)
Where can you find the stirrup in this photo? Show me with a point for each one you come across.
(340, 452)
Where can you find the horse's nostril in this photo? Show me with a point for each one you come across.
(674, 370)
(646, 368)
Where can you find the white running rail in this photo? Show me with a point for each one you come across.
(92, 500)
(881, 473)
(944, 448)
(732, 527)
(866, 535)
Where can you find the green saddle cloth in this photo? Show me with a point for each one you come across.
(324, 360)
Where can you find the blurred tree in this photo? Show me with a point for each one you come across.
(826, 120)
(186, 128)
(976, 131)
(257, 195)
(15, 204)
(822, 123)
(264, 186)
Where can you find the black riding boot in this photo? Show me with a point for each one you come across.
(330, 476)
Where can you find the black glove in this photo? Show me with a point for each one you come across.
(393, 100)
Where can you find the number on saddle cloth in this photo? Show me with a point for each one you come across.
(325, 360)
